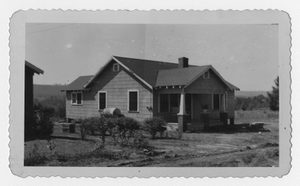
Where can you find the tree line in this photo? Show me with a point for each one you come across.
(260, 101)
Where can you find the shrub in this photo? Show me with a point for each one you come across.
(140, 141)
(154, 125)
(122, 129)
(89, 126)
(43, 125)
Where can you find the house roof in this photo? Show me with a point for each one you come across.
(78, 84)
(152, 73)
(179, 76)
(146, 69)
(231, 86)
(34, 68)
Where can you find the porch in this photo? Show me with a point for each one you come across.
(199, 110)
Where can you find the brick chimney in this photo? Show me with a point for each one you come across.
(183, 62)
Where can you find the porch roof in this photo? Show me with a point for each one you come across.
(179, 76)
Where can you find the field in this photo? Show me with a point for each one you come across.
(232, 146)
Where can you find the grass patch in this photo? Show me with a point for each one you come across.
(257, 114)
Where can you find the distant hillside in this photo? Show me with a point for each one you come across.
(250, 93)
(46, 91)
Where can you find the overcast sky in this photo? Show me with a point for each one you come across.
(245, 55)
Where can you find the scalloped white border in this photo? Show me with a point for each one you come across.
(17, 56)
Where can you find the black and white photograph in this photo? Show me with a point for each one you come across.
(156, 94)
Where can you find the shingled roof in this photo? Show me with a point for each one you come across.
(152, 73)
(146, 69)
(78, 84)
(178, 76)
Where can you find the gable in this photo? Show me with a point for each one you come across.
(146, 69)
(102, 79)
(213, 84)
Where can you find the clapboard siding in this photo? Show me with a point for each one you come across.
(116, 84)
(87, 109)
(117, 95)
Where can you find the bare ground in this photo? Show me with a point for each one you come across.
(241, 147)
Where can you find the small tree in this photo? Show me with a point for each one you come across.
(274, 96)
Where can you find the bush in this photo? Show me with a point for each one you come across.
(43, 126)
(122, 129)
(154, 125)
(89, 126)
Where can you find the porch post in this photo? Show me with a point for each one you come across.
(182, 123)
(182, 104)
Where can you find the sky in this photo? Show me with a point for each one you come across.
(245, 55)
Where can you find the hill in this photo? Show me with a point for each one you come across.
(250, 93)
(45, 91)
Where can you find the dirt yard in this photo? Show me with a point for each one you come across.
(239, 146)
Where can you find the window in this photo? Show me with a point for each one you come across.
(76, 98)
(206, 75)
(133, 101)
(174, 100)
(216, 102)
(116, 67)
(164, 102)
(101, 100)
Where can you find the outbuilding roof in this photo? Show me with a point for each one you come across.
(34, 68)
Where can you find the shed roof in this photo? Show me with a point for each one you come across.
(78, 84)
(34, 68)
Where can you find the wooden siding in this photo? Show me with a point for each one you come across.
(87, 109)
(117, 96)
(117, 85)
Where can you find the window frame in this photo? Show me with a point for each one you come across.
(76, 93)
(206, 76)
(99, 99)
(138, 100)
(118, 67)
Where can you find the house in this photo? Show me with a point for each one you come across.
(30, 70)
(144, 88)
